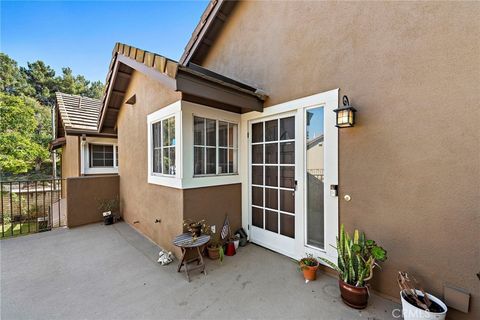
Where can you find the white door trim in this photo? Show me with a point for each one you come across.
(329, 100)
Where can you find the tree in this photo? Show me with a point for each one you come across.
(42, 78)
(12, 80)
(19, 124)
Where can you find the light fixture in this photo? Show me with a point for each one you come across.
(345, 114)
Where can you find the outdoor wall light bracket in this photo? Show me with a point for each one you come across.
(345, 115)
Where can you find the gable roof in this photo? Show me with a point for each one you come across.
(78, 113)
(208, 28)
(196, 84)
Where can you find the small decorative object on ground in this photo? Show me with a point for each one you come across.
(236, 241)
(165, 257)
(215, 249)
(309, 267)
(196, 228)
(356, 259)
(243, 237)
(416, 303)
(227, 232)
(109, 208)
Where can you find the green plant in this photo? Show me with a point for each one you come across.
(216, 243)
(308, 261)
(105, 205)
(357, 257)
(190, 225)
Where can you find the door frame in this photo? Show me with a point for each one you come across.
(329, 100)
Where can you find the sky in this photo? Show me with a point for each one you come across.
(82, 34)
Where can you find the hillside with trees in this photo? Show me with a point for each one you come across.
(27, 96)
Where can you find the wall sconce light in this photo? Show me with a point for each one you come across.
(345, 114)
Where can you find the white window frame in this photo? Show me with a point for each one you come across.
(85, 168)
(172, 110)
(217, 147)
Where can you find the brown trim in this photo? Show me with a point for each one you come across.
(57, 143)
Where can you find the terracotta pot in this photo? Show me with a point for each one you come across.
(213, 253)
(309, 272)
(355, 297)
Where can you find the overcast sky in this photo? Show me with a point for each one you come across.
(81, 34)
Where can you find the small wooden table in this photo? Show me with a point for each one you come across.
(185, 242)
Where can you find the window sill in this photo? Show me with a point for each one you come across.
(194, 182)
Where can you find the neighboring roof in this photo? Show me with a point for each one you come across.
(196, 83)
(78, 113)
(315, 141)
(207, 30)
(57, 143)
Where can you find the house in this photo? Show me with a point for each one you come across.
(228, 129)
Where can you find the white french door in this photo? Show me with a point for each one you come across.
(292, 164)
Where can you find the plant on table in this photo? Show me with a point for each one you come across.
(357, 257)
(196, 228)
(309, 266)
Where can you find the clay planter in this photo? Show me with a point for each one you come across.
(213, 253)
(355, 297)
(309, 272)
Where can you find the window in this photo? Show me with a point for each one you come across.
(215, 147)
(100, 155)
(163, 147)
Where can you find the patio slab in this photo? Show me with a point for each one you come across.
(110, 272)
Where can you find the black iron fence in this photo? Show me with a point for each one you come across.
(31, 206)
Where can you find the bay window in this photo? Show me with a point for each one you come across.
(163, 147)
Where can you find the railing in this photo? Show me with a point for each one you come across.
(31, 206)
(317, 173)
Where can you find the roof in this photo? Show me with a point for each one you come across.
(315, 141)
(78, 113)
(211, 23)
(196, 83)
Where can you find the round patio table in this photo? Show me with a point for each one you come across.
(186, 242)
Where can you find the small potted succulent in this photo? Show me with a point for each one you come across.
(196, 228)
(357, 257)
(109, 208)
(309, 266)
(416, 303)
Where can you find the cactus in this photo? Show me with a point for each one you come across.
(357, 257)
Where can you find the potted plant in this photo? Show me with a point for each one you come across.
(215, 249)
(416, 304)
(357, 258)
(309, 266)
(108, 207)
(196, 228)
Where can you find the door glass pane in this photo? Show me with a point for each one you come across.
(257, 153)
(287, 201)
(287, 225)
(257, 132)
(287, 152)
(271, 130)
(257, 196)
(287, 177)
(257, 175)
(287, 128)
(271, 176)
(271, 198)
(271, 153)
(257, 217)
(315, 188)
(271, 221)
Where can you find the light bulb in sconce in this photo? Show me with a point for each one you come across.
(347, 197)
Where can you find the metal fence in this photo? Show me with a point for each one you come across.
(31, 206)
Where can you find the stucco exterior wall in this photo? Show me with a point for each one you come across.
(411, 164)
(143, 203)
(84, 194)
(70, 160)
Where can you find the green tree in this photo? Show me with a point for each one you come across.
(19, 124)
(42, 78)
(12, 80)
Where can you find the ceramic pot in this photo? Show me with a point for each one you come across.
(411, 312)
(355, 297)
(309, 272)
(213, 253)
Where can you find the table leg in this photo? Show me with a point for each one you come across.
(201, 260)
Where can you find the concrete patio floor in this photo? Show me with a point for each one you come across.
(110, 272)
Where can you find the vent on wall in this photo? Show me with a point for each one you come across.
(456, 298)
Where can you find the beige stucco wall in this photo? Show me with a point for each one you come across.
(411, 164)
(142, 203)
(84, 196)
(70, 159)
